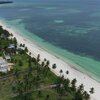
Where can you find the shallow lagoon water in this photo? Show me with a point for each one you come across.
(84, 64)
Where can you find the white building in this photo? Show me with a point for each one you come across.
(3, 65)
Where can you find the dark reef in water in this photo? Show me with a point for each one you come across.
(4, 2)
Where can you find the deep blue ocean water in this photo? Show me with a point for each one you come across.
(71, 25)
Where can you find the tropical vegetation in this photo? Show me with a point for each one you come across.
(32, 79)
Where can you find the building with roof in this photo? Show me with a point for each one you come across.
(3, 65)
(11, 46)
(7, 57)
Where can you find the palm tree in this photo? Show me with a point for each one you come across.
(26, 49)
(29, 62)
(42, 64)
(47, 63)
(66, 84)
(34, 60)
(45, 59)
(39, 93)
(54, 66)
(37, 81)
(11, 34)
(20, 45)
(30, 53)
(47, 97)
(16, 73)
(38, 57)
(15, 41)
(81, 88)
(91, 90)
(78, 96)
(26, 81)
(20, 63)
(74, 84)
(67, 72)
(86, 96)
(61, 71)
(23, 45)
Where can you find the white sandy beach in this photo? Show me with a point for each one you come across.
(73, 73)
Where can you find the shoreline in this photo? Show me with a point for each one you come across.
(73, 72)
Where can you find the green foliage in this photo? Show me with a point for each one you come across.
(26, 50)
(54, 66)
(38, 57)
(91, 90)
(20, 63)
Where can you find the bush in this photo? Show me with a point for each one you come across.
(20, 63)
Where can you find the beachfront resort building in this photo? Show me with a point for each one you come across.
(4, 65)
(7, 57)
(11, 46)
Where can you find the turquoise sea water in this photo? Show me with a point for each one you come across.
(84, 64)
(69, 31)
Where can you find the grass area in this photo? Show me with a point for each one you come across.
(5, 88)
(23, 58)
(45, 80)
(52, 94)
